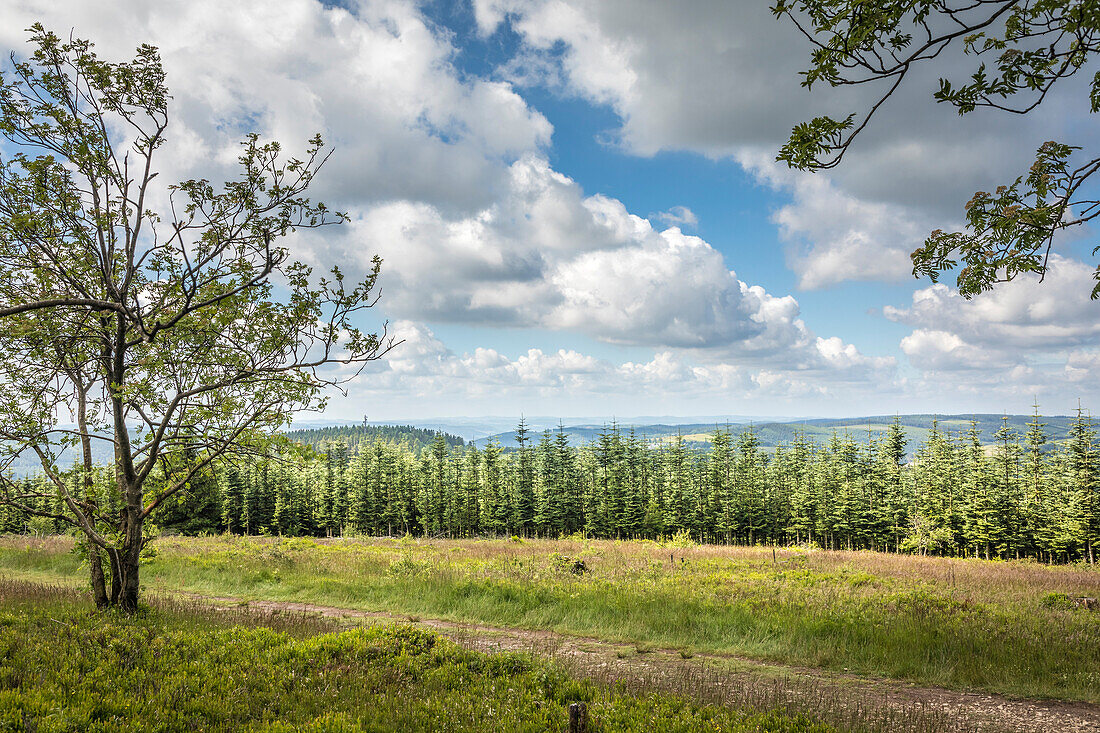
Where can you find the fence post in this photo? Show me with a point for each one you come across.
(578, 717)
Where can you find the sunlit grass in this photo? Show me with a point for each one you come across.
(64, 667)
(964, 624)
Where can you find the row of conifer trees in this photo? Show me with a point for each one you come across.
(1022, 496)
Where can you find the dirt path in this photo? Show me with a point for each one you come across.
(848, 700)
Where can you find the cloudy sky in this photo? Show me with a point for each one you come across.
(580, 214)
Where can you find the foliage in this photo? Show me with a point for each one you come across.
(415, 439)
(1032, 498)
(1023, 50)
(1056, 600)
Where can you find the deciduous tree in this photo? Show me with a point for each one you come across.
(164, 320)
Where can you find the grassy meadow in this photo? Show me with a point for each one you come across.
(1004, 627)
(179, 666)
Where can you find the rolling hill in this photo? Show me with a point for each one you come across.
(917, 428)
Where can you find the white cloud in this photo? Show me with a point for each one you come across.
(1025, 314)
(547, 256)
(1082, 367)
(1020, 341)
(942, 351)
(834, 237)
(842, 356)
(378, 82)
(445, 174)
(723, 80)
(596, 65)
(677, 216)
(423, 367)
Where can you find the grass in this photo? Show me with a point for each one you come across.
(175, 666)
(963, 624)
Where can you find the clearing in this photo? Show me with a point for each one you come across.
(858, 640)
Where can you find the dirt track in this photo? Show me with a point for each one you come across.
(887, 705)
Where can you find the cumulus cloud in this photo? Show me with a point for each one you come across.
(723, 80)
(377, 81)
(1024, 338)
(424, 367)
(1082, 367)
(445, 174)
(833, 236)
(932, 350)
(677, 216)
(1023, 315)
(547, 256)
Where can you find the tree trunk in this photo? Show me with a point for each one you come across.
(128, 598)
(129, 554)
(116, 575)
(125, 568)
(99, 582)
(95, 560)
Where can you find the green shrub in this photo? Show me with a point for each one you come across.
(408, 566)
(1056, 601)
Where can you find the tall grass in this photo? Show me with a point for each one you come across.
(64, 667)
(964, 624)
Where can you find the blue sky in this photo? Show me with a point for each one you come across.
(580, 212)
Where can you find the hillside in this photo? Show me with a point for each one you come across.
(413, 437)
(916, 426)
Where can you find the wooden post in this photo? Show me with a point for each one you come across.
(578, 717)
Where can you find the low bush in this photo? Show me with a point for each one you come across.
(65, 667)
(1059, 601)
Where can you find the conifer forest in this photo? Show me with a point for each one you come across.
(1017, 496)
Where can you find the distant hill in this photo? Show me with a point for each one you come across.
(476, 428)
(696, 435)
(27, 463)
(412, 437)
(917, 428)
(415, 438)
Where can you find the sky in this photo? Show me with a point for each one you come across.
(579, 210)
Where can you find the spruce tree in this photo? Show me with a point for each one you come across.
(1084, 467)
(232, 501)
(523, 493)
(720, 474)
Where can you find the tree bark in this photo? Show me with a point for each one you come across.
(99, 582)
(128, 598)
(95, 560)
(129, 555)
(116, 575)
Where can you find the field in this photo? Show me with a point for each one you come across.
(849, 618)
(184, 667)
